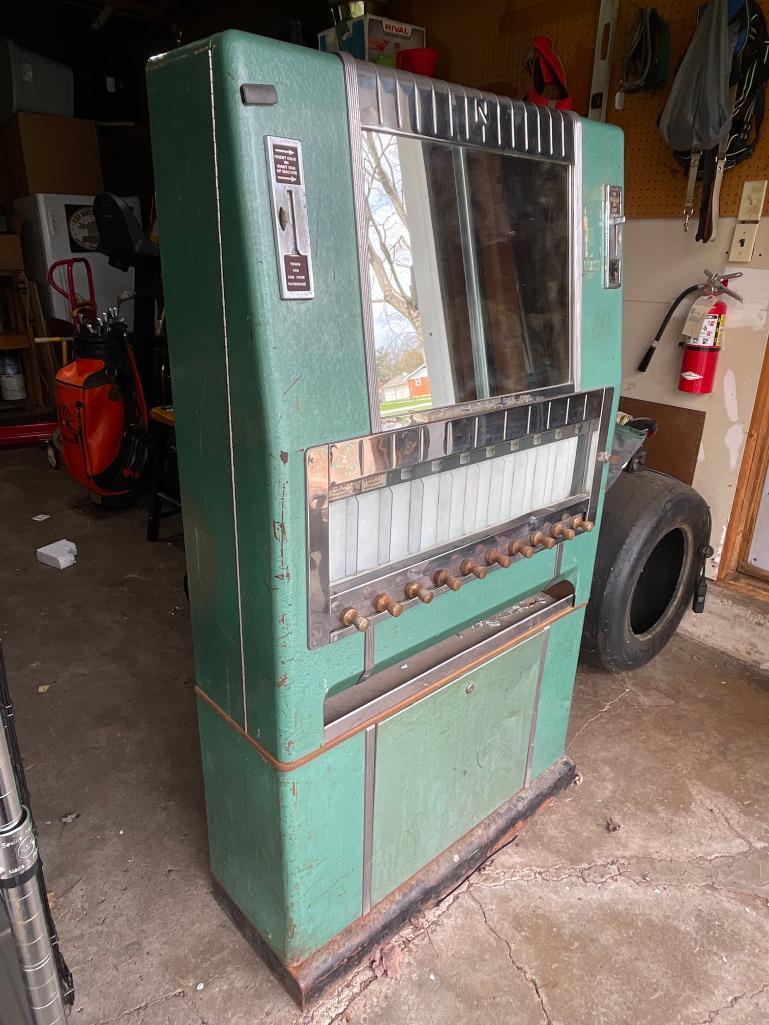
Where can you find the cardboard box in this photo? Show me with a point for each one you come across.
(10, 253)
(372, 38)
(47, 153)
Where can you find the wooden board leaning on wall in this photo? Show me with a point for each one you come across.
(485, 45)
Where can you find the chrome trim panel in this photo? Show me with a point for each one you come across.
(338, 470)
(398, 101)
(316, 469)
(348, 477)
(600, 452)
(577, 255)
(290, 225)
(613, 220)
(350, 708)
(228, 387)
(369, 653)
(356, 159)
(499, 402)
(364, 460)
(369, 791)
(472, 282)
(535, 708)
(557, 562)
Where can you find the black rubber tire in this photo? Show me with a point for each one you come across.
(646, 566)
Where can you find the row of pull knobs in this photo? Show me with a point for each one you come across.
(546, 537)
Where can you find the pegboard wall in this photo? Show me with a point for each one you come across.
(485, 44)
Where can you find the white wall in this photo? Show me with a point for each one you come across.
(660, 261)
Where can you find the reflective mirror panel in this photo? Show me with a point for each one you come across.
(469, 262)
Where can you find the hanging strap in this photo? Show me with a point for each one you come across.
(714, 207)
(708, 167)
(691, 185)
(712, 177)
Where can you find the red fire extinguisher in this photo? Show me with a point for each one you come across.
(700, 358)
(698, 366)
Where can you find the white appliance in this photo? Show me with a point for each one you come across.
(58, 227)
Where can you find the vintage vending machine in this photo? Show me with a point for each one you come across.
(394, 312)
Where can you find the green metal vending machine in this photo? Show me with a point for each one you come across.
(394, 313)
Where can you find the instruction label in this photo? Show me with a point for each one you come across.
(286, 165)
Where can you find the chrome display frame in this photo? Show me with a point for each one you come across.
(381, 98)
(398, 453)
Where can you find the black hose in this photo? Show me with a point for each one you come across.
(643, 366)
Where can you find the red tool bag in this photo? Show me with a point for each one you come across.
(548, 78)
(102, 413)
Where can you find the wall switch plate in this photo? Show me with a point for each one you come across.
(752, 202)
(743, 241)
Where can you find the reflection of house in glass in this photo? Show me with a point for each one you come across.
(395, 389)
(415, 385)
(419, 382)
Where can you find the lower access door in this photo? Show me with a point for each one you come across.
(448, 761)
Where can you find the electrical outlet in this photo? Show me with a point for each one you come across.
(752, 202)
(743, 241)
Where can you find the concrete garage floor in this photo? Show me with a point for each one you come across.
(662, 918)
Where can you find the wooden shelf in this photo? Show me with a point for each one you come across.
(11, 408)
(14, 341)
(23, 321)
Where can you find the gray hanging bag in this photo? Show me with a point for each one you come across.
(697, 117)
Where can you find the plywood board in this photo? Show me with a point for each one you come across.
(676, 444)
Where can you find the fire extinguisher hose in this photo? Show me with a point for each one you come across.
(643, 366)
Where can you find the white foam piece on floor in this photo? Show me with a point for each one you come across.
(59, 554)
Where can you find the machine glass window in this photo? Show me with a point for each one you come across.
(519, 211)
(468, 256)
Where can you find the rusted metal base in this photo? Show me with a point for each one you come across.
(306, 980)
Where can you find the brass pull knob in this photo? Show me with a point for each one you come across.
(384, 603)
(540, 538)
(563, 530)
(521, 548)
(468, 566)
(443, 577)
(415, 590)
(350, 617)
(579, 523)
(495, 556)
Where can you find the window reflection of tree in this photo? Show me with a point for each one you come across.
(399, 347)
(439, 169)
(521, 228)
